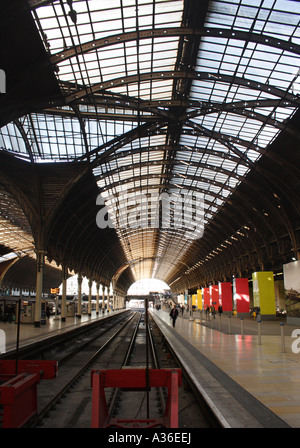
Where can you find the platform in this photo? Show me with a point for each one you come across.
(250, 385)
(30, 334)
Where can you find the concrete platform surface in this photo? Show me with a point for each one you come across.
(266, 372)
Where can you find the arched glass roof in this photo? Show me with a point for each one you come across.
(162, 97)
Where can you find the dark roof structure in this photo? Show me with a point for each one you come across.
(110, 106)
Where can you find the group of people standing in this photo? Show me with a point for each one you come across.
(174, 312)
(211, 310)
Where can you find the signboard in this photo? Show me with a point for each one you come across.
(54, 290)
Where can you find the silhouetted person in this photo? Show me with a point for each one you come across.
(174, 314)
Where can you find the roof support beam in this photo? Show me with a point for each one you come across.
(182, 74)
(222, 33)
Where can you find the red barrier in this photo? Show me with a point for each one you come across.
(46, 369)
(19, 399)
(134, 379)
(18, 393)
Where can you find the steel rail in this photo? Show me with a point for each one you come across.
(155, 364)
(125, 362)
(37, 419)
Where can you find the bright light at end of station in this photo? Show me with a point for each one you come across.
(146, 286)
(149, 286)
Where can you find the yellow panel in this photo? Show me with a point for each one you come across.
(199, 299)
(194, 300)
(264, 292)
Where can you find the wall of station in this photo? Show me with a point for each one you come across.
(263, 293)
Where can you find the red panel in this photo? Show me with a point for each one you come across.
(206, 297)
(241, 295)
(225, 294)
(214, 295)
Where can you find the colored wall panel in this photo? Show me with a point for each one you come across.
(206, 297)
(264, 292)
(225, 295)
(199, 299)
(214, 295)
(194, 297)
(241, 295)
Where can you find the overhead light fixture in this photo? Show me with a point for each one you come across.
(73, 15)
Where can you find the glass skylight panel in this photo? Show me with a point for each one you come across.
(11, 139)
(51, 136)
(217, 55)
(222, 178)
(107, 20)
(147, 90)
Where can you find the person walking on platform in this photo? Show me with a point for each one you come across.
(213, 311)
(174, 314)
(220, 310)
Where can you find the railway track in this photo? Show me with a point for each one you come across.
(66, 401)
(60, 347)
